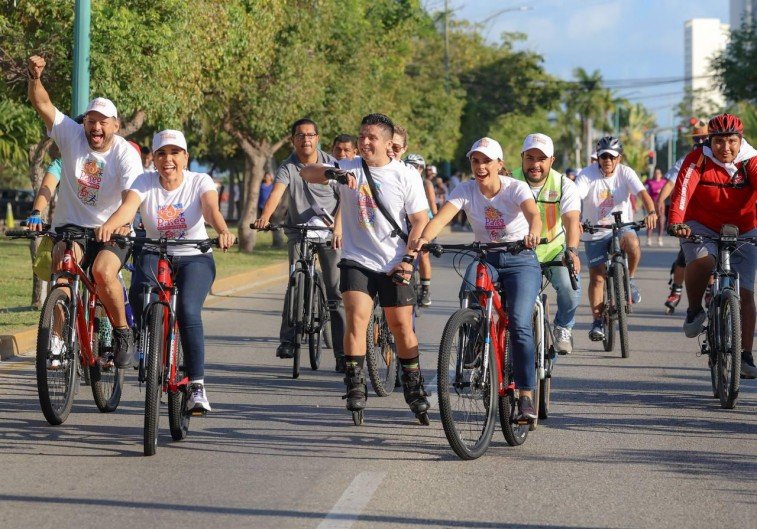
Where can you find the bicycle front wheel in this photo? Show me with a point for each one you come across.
(154, 385)
(380, 354)
(56, 360)
(621, 301)
(320, 320)
(728, 347)
(107, 381)
(608, 342)
(178, 419)
(466, 393)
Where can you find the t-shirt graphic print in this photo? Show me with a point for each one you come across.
(171, 222)
(367, 208)
(89, 181)
(494, 224)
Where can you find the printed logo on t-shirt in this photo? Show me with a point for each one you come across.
(171, 221)
(89, 181)
(606, 203)
(366, 206)
(494, 223)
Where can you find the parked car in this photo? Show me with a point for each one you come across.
(21, 201)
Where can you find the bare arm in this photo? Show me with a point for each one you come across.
(38, 96)
(531, 211)
(336, 238)
(651, 218)
(46, 192)
(270, 205)
(123, 215)
(314, 173)
(572, 223)
(213, 216)
(430, 196)
(433, 227)
(664, 194)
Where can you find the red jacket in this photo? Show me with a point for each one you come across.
(706, 193)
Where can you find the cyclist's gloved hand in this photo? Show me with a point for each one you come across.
(340, 175)
(679, 230)
(34, 221)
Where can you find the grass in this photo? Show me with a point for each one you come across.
(16, 276)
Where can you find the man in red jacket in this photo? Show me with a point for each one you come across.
(717, 185)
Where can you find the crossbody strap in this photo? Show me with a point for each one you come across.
(397, 232)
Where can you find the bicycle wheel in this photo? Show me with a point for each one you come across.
(320, 321)
(607, 314)
(466, 398)
(381, 354)
(107, 382)
(535, 395)
(154, 384)
(621, 300)
(56, 362)
(545, 384)
(728, 338)
(515, 434)
(178, 419)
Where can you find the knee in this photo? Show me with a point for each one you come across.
(103, 274)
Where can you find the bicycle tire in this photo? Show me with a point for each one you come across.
(608, 342)
(515, 434)
(320, 321)
(545, 384)
(107, 383)
(466, 405)
(296, 357)
(621, 299)
(56, 387)
(381, 354)
(712, 363)
(536, 393)
(154, 383)
(729, 349)
(178, 419)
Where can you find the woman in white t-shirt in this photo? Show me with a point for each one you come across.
(502, 209)
(175, 203)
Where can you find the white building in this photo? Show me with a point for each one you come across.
(703, 39)
(741, 10)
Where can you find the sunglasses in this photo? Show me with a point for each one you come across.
(607, 156)
(396, 147)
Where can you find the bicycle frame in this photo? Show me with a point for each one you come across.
(489, 298)
(305, 263)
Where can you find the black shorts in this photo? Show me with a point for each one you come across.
(92, 247)
(354, 277)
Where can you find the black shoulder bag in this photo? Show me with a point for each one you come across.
(397, 232)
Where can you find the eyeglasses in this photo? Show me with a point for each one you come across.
(302, 136)
(396, 147)
(607, 156)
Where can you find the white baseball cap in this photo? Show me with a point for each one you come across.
(539, 141)
(103, 106)
(489, 147)
(168, 137)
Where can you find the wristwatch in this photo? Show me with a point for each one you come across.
(572, 249)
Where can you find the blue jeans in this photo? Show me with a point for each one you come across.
(193, 275)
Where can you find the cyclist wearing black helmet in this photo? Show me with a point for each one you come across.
(606, 187)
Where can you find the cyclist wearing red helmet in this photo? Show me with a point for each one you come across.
(717, 185)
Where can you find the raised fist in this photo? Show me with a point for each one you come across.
(35, 66)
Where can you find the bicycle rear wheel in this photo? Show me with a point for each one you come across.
(545, 384)
(621, 300)
(107, 382)
(320, 320)
(56, 362)
(466, 394)
(154, 384)
(380, 354)
(728, 338)
(178, 419)
(515, 434)
(610, 308)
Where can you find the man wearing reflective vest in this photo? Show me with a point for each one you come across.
(560, 206)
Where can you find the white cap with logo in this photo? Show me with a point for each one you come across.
(489, 147)
(103, 106)
(168, 137)
(539, 141)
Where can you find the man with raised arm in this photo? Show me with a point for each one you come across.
(98, 169)
(375, 258)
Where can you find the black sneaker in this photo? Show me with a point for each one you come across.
(123, 343)
(597, 332)
(340, 363)
(526, 408)
(285, 350)
(415, 393)
(357, 391)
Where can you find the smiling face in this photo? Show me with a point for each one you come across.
(536, 165)
(484, 169)
(725, 148)
(99, 131)
(398, 148)
(170, 161)
(374, 142)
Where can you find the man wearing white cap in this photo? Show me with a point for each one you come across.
(98, 168)
(560, 208)
(604, 188)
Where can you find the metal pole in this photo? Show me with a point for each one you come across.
(446, 68)
(80, 79)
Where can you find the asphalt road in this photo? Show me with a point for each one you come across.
(638, 442)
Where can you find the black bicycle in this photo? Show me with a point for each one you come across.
(381, 354)
(616, 302)
(306, 304)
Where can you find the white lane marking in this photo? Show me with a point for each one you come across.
(354, 499)
(433, 400)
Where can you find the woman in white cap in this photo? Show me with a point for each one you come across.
(502, 209)
(176, 203)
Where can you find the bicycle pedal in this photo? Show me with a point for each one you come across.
(197, 413)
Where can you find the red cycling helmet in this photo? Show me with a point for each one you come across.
(725, 125)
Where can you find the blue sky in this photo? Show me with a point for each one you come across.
(623, 39)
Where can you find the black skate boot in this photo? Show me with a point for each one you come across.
(673, 299)
(415, 395)
(356, 395)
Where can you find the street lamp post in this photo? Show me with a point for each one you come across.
(80, 79)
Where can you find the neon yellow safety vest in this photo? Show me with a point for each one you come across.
(548, 202)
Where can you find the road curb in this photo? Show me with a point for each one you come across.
(23, 343)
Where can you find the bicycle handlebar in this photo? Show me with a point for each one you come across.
(438, 249)
(567, 264)
(300, 227)
(593, 228)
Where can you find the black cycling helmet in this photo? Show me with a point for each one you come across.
(609, 144)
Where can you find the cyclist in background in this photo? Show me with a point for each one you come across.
(502, 209)
(307, 203)
(654, 186)
(175, 204)
(343, 147)
(98, 167)
(606, 187)
(717, 185)
(560, 209)
(417, 162)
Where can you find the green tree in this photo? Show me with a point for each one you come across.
(736, 66)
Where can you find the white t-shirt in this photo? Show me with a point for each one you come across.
(174, 214)
(602, 196)
(499, 219)
(91, 182)
(366, 234)
(570, 201)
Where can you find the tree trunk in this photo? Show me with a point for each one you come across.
(254, 168)
(37, 154)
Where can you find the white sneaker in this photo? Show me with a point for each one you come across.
(197, 400)
(56, 348)
(748, 369)
(563, 340)
(649, 241)
(660, 241)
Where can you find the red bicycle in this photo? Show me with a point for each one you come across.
(475, 366)
(74, 325)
